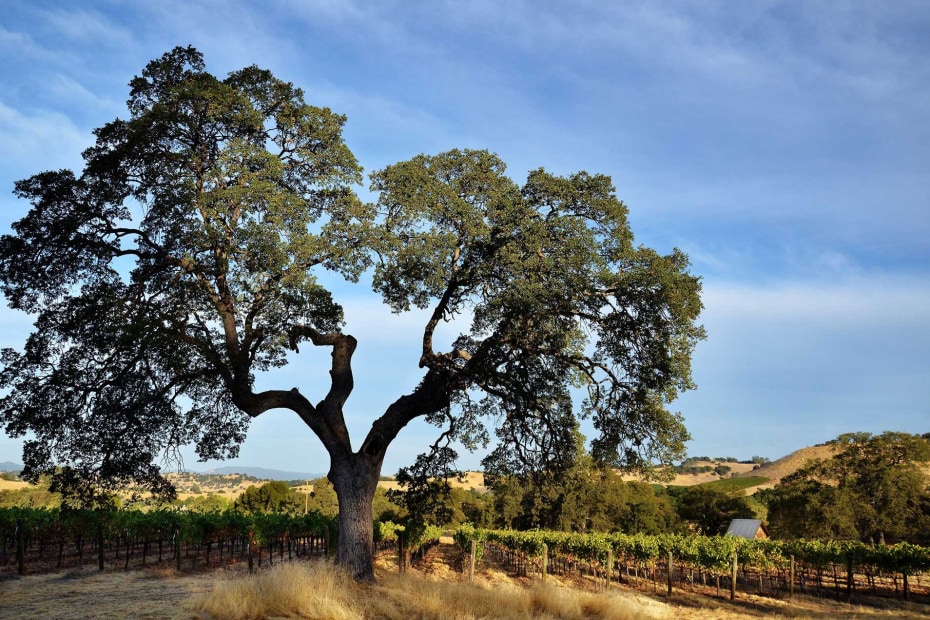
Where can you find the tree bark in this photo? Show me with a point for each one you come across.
(355, 478)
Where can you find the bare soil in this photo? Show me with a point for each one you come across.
(152, 594)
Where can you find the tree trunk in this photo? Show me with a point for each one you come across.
(355, 479)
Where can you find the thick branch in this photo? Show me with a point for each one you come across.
(428, 358)
(431, 395)
(342, 382)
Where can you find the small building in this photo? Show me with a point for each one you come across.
(748, 528)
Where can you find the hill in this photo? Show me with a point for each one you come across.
(762, 476)
(473, 480)
(787, 465)
(10, 466)
(263, 473)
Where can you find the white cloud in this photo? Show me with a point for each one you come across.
(864, 302)
(87, 27)
(39, 140)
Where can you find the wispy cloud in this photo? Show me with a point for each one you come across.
(39, 141)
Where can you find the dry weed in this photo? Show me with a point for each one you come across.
(313, 590)
(318, 590)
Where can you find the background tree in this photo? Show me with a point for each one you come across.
(875, 487)
(273, 496)
(710, 511)
(204, 503)
(184, 260)
(323, 498)
(584, 497)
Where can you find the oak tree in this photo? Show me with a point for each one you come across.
(874, 488)
(185, 259)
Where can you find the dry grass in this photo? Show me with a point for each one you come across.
(471, 480)
(284, 591)
(786, 465)
(12, 485)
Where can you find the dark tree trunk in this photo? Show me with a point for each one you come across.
(355, 479)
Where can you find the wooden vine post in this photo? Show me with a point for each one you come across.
(402, 551)
(850, 580)
(791, 578)
(733, 578)
(251, 547)
(610, 567)
(20, 547)
(670, 570)
(177, 547)
(100, 545)
(471, 561)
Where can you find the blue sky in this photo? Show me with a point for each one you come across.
(785, 146)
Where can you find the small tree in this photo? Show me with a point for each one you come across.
(183, 261)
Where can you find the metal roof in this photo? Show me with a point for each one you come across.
(745, 528)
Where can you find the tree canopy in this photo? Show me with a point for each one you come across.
(185, 259)
(274, 496)
(874, 488)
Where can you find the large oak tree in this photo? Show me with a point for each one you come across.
(184, 260)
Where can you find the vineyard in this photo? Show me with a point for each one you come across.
(696, 563)
(39, 540)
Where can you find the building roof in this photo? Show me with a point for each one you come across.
(746, 528)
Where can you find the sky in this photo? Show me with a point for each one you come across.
(784, 146)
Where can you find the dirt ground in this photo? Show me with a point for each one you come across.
(150, 594)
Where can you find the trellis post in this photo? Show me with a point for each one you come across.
(733, 578)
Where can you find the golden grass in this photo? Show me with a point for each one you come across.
(471, 480)
(12, 485)
(318, 590)
(313, 590)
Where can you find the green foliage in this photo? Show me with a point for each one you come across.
(873, 488)
(323, 498)
(382, 508)
(710, 510)
(711, 553)
(204, 503)
(271, 497)
(734, 484)
(194, 527)
(582, 498)
(31, 497)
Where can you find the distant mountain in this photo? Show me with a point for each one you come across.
(10, 466)
(264, 473)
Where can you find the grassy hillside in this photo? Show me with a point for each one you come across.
(786, 465)
(729, 485)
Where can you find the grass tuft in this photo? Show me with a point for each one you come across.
(317, 590)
